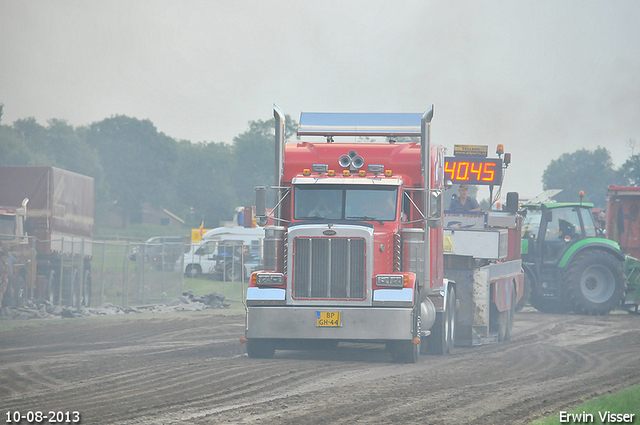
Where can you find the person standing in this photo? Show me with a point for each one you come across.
(464, 202)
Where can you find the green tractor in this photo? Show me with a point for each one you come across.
(569, 265)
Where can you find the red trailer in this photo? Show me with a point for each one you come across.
(60, 221)
(623, 226)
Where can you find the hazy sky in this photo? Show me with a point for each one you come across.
(542, 77)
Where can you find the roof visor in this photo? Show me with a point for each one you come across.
(359, 124)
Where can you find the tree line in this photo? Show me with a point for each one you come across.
(591, 171)
(132, 163)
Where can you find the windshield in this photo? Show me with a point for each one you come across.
(531, 223)
(345, 203)
(7, 227)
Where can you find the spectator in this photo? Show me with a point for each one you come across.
(464, 202)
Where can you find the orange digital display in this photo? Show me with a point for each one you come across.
(470, 170)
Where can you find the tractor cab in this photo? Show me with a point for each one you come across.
(549, 230)
(569, 265)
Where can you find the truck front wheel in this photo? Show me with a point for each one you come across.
(260, 348)
(443, 331)
(595, 282)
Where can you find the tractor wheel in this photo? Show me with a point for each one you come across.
(260, 348)
(545, 305)
(595, 282)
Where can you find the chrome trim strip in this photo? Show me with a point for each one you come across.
(270, 294)
(404, 294)
(340, 180)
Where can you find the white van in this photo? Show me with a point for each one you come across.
(203, 258)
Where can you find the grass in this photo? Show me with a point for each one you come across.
(626, 401)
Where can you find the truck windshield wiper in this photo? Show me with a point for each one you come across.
(366, 218)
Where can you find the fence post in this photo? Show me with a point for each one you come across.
(82, 287)
(61, 271)
(126, 276)
(104, 260)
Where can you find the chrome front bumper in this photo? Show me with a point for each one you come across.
(358, 323)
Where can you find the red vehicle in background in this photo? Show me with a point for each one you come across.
(623, 226)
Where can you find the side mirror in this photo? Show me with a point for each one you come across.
(260, 197)
(435, 208)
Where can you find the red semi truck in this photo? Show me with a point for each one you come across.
(360, 251)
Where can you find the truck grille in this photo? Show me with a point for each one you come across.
(329, 268)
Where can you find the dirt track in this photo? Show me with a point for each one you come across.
(191, 369)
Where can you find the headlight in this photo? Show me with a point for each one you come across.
(272, 279)
(390, 281)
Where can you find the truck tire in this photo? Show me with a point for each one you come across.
(404, 351)
(260, 348)
(526, 292)
(512, 314)
(501, 322)
(233, 273)
(407, 351)
(442, 338)
(595, 282)
(193, 270)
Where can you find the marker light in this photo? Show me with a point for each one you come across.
(388, 173)
(390, 281)
(331, 173)
(346, 173)
(306, 172)
(362, 173)
(507, 159)
(320, 168)
(375, 168)
(269, 279)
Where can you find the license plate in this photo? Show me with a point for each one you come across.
(329, 318)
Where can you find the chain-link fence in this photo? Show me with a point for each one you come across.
(90, 273)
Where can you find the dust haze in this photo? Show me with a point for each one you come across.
(540, 77)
